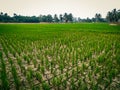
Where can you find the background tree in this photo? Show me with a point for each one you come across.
(49, 18)
(88, 19)
(40, 18)
(119, 15)
(109, 17)
(98, 17)
(70, 17)
(79, 19)
(65, 17)
(113, 16)
(56, 18)
(61, 18)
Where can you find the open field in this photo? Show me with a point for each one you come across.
(59, 56)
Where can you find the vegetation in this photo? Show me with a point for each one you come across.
(113, 16)
(4, 17)
(79, 56)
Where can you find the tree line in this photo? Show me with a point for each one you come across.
(112, 16)
(4, 17)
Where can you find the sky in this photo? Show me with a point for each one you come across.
(79, 8)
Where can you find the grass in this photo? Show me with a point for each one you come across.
(60, 56)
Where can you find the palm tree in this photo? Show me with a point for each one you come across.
(109, 16)
(1, 13)
(115, 17)
(56, 18)
(61, 17)
(98, 17)
(66, 17)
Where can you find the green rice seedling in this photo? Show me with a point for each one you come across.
(42, 61)
(38, 76)
(42, 69)
(77, 72)
(107, 83)
(47, 63)
(28, 76)
(112, 75)
(67, 74)
(89, 54)
(58, 81)
(64, 84)
(97, 70)
(45, 86)
(38, 68)
(31, 72)
(118, 59)
(101, 59)
(92, 65)
(14, 53)
(15, 76)
(61, 78)
(90, 75)
(73, 62)
(28, 60)
(19, 51)
(19, 61)
(72, 80)
(79, 83)
(1, 56)
(61, 67)
(95, 87)
(83, 66)
(73, 87)
(10, 61)
(54, 81)
(51, 69)
(83, 86)
(23, 70)
(73, 72)
(35, 63)
(3, 76)
(36, 88)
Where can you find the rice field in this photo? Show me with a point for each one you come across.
(83, 56)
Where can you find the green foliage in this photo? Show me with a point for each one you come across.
(45, 86)
(39, 77)
(16, 78)
(43, 69)
(3, 76)
(59, 56)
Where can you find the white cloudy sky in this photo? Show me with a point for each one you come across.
(79, 8)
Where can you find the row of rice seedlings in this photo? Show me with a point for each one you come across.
(14, 74)
(29, 75)
(3, 74)
(11, 46)
(4, 46)
(20, 63)
(7, 43)
(45, 86)
(62, 63)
